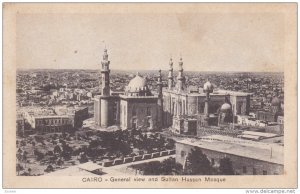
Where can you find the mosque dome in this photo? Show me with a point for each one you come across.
(208, 87)
(138, 83)
(275, 101)
(225, 107)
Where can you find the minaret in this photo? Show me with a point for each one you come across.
(170, 76)
(160, 101)
(159, 84)
(106, 116)
(180, 78)
(207, 88)
(206, 110)
(105, 90)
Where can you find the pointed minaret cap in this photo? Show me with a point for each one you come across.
(180, 63)
(171, 62)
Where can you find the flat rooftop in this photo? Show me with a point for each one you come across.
(138, 97)
(268, 152)
(235, 93)
(41, 112)
(216, 92)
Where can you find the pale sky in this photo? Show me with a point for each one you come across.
(206, 42)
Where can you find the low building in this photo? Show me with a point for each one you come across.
(246, 120)
(47, 121)
(280, 120)
(186, 125)
(79, 113)
(248, 157)
(274, 112)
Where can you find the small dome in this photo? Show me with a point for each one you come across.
(275, 101)
(208, 87)
(225, 107)
(137, 83)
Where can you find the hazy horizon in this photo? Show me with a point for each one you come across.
(206, 41)
(141, 70)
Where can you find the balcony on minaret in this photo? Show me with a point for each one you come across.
(105, 66)
(180, 85)
(105, 62)
(180, 71)
(105, 75)
(170, 75)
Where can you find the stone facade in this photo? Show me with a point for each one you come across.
(179, 100)
(242, 165)
(107, 110)
(181, 103)
(135, 108)
(138, 112)
(176, 100)
(51, 124)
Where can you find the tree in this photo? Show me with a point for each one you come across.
(152, 168)
(66, 152)
(19, 168)
(83, 158)
(170, 144)
(198, 163)
(57, 150)
(24, 158)
(49, 168)
(168, 166)
(23, 143)
(19, 157)
(50, 153)
(39, 139)
(59, 162)
(39, 155)
(29, 170)
(226, 167)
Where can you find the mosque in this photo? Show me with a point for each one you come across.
(174, 106)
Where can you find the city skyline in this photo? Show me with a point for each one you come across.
(207, 42)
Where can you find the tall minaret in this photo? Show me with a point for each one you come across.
(160, 101)
(180, 78)
(159, 84)
(207, 88)
(105, 74)
(170, 76)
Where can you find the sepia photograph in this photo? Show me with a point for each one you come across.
(160, 95)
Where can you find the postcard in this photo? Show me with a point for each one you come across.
(150, 95)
